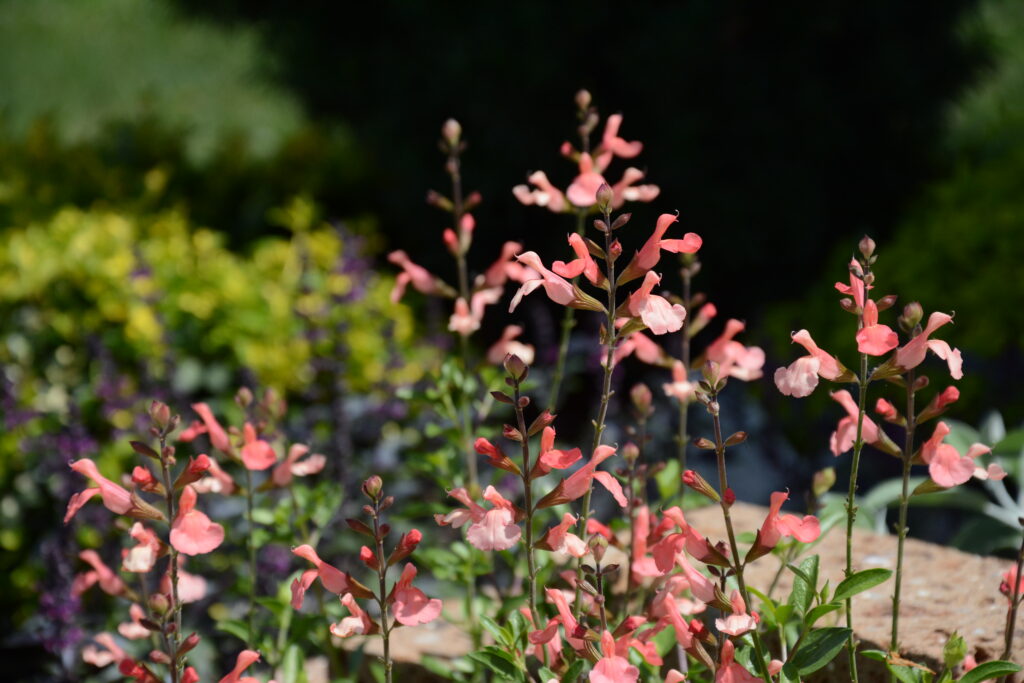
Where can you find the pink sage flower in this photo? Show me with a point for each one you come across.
(245, 659)
(800, 378)
(192, 532)
(911, 354)
(655, 311)
(612, 667)
(739, 622)
(411, 606)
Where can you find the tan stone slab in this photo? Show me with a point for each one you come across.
(944, 590)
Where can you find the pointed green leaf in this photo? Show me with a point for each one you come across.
(859, 582)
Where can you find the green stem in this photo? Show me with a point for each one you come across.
(568, 322)
(175, 639)
(606, 392)
(531, 567)
(901, 529)
(1011, 615)
(851, 505)
(251, 542)
(723, 483)
(382, 577)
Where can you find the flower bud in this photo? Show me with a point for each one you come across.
(159, 603)
(372, 487)
(472, 201)
(630, 452)
(598, 544)
(866, 247)
(641, 397)
(954, 651)
(886, 302)
(700, 485)
(160, 413)
(188, 644)
(729, 497)
(515, 367)
(911, 318)
(367, 557)
(438, 200)
(159, 657)
(406, 545)
(621, 221)
(244, 397)
(451, 131)
(823, 481)
(583, 99)
(616, 250)
(604, 197)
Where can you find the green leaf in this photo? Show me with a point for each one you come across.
(804, 584)
(818, 649)
(668, 480)
(987, 670)
(820, 611)
(235, 627)
(906, 674)
(292, 664)
(501, 635)
(859, 582)
(498, 661)
(877, 655)
(574, 671)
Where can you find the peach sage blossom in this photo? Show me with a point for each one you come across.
(192, 532)
(411, 606)
(655, 311)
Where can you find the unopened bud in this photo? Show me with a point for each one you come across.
(641, 397)
(515, 367)
(451, 131)
(600, 225)
(954, 650)
(160, 413)
(438, 200)
(604, 197)
(630, 452)
(866, 247)
(598, 544)
(616, 250)
(823, 481)
(886, 302)
(700, 485)
(159, 603)
(729, 496)
(372, 487)
(622, 219)
(159, 657)
(244, 397)
(188, 644)
(583, 99)
(911, 318)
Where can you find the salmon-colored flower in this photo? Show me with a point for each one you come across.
(558, 539)
(245, 659)
(257, 454)
(357, 624)
(583, 264)
(410, 605)
(846, 432)
(555, 286)
(911, 354)
(874, 339)
(639, 344)
(134, 630)
(738, 622)
(218, 437)
(546, 195)
(800, 378)
(680, 388)
(108, 652)
(508, 344)
(612, 667)
(583, 190)
(580, 481)
(627, 190)
(734, 359)
(777, 526)
(729, 670)
(655, 311)
(192, 532)
(613, 144)
(650, 253)
(294, 465)
(418, 276)
(948, 468)
(141, 558)
(116, 498)
(332, 578)
(102, 575)
(551, 458)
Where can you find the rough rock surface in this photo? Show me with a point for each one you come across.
(943, 589)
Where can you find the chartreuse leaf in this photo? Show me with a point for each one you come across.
(859, 582)
(804, 585)
(988, 670)
(818, 649)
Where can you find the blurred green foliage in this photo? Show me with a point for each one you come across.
(86, 63)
